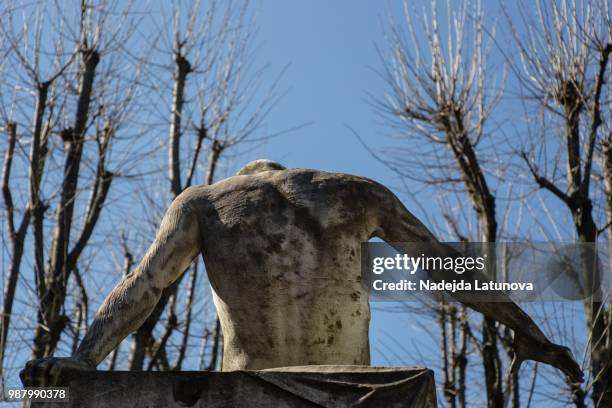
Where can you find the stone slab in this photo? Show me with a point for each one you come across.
(288, 387)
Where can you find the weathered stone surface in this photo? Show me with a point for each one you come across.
(290, 387)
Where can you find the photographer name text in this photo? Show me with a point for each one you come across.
(450, 286)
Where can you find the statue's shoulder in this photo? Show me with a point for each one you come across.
(319, 184)
(319, 176)
(287, 181)
(307, 179)
(336, 180)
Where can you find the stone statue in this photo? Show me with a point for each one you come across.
(282, 253)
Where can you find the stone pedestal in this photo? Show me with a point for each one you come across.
(306, 386)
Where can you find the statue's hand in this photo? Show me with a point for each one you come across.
(563, 359)
(48, 372)
(550, 353)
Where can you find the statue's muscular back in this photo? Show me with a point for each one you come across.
(281, 250)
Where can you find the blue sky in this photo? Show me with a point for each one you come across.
(330, 47)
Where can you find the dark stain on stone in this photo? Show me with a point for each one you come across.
(274, 243)
(153, 291)
(256, 255)
(187, 392)
(355, 296)
(338, 324)
(305, 221)
(330, 340)
(296, 245)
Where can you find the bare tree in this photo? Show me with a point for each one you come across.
(440, 99)
(40, 85)
(81, 74)
(564, 69)
(46, 74)
(16, 240)
(606, 156)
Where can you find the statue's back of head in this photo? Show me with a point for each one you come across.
(258, 166)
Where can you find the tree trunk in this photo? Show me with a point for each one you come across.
(215, 348)
(462, 358)
(50, 322)
(182, 68)
(601, 338)
(447, 363)
(16, 242)
(188, 313)
(483, 203)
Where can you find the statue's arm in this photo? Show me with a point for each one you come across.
(395, 224)
(133, 299)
